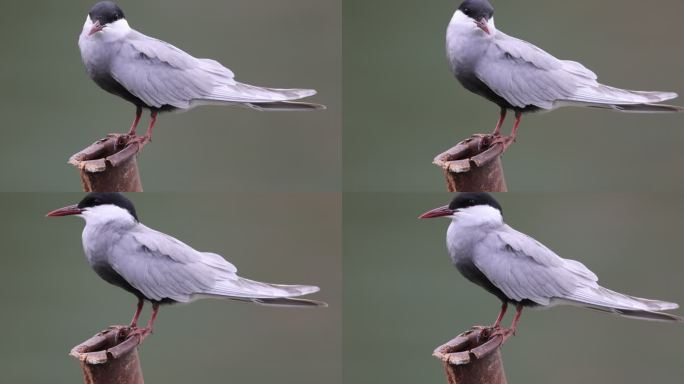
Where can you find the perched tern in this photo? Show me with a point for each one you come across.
(161, 269)
(519, 76)
(155, 75)
(520, 270)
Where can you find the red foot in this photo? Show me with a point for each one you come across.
(505, 333)
(141, 332)
(142, 140)
(506, 141)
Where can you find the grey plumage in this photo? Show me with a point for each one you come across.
(154, 74)
(524, 269)
(520, 76)
(520, 270)
(162, 268)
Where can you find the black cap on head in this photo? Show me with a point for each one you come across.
(105, 12)
(477, 9)
(99, 198)
(469, 199)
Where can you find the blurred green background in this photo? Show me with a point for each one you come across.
(403, 298)
(52, 300)
(51, 109)
(402, 105)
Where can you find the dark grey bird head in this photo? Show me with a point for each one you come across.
(97, 199)
(103, 14)
(480, 11)
(463, 201)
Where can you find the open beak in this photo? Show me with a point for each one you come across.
(438, 212)
(482, 23)
(97, 27)
(66, 211)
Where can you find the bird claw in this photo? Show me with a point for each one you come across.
(140, 332)
(505, 141)
(141, 140)
(505, 333)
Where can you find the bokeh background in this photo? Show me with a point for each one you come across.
(52, 300)
(403, 298)
(402, 105)
(51, 109)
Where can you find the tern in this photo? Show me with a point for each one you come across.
(518, 76)
(155, 75)
(520, 270)
(160, 269)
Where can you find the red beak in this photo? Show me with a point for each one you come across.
(66, 211)
(437, 212)
(482, 23)
(95, 28)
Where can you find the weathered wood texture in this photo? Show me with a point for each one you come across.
(473, 165)
(109, 165)
(110, 357)
(473, 358)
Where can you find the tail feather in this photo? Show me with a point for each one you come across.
(641, 108)
(286, 106)
(241, 288)
(623, 100)
(247, 93)
(640, 315)
(289, 302)
(605, 300)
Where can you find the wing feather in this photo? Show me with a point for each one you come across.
(530, 270)
(160, 74)
(525, 75)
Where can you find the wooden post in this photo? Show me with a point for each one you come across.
(110, 357)
(473, 358)
(473, 165)
(109, 165)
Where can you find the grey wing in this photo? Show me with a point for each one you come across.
(525, 75)
(160, 74)
(162, 267)
(524, 269)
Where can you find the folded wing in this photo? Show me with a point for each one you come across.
(162, 267)
(160, 74)
(531, 271)
(525, 75)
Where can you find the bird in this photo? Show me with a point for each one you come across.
(155, 75)
(518, 76)
(161, 269)
(520, 270)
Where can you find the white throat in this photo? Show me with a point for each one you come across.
(461, 23)
(107, 214)
(111, 32)
(477, 216)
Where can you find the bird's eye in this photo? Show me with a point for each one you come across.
(466, 11)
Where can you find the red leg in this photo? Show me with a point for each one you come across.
(516, 319)
(148, 136)
(499, 124)
(144, 332)
(508, 140)
(504, 307)
(508, 332)
(514, 132)
(134, 126)
(134, 322)
(150, 323)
